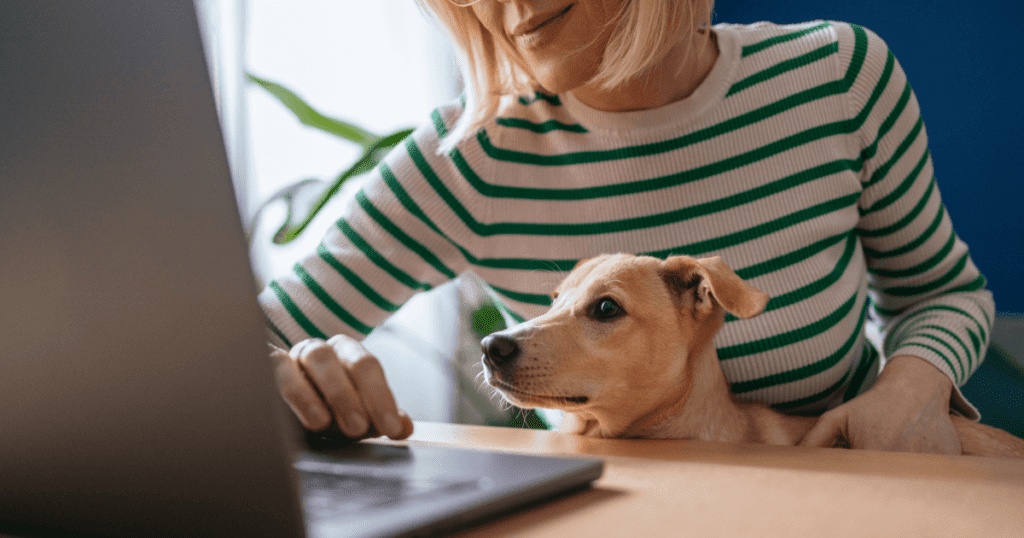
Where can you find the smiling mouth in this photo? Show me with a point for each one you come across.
(505, 387)
(530, 26)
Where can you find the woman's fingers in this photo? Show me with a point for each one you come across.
(367, 375)
(328, 372)
(828, 432)
(339, 381)
(298, 392)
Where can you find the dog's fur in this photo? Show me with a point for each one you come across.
(649, 370)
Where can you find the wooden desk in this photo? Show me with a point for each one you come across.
(704, 489)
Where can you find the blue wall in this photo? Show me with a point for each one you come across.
(965, 61)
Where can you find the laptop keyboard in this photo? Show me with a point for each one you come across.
(332, 489)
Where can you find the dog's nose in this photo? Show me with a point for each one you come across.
(500, 349)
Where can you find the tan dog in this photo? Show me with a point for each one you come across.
(626, 351)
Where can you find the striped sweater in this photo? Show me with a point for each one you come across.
(801, 160)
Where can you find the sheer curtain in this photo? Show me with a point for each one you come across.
(223, 26)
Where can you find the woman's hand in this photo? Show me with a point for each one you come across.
(907, 410)
(339, 381)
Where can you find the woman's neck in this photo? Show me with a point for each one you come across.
(664, 84)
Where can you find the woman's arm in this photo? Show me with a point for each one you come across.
(379, 253)
(927, 295)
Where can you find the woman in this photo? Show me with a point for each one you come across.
(796, 153)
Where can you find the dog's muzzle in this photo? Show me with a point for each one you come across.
(500, 351)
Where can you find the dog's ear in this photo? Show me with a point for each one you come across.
(735, 295)
(712, 281)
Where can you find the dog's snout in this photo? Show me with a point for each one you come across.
(500, 349)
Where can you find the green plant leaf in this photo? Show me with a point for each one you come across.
(371, 157)
(311, 117)
(487, 319)
(375, 148)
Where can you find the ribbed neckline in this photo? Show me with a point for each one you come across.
(710, 92)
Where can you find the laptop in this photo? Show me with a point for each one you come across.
(136, 396)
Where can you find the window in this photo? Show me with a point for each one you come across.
(382, 65)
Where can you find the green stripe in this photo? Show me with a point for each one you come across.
(529, 298)
(894, 115)
(378, 260)
(972, 286)
(546, 127)
(760, 269)
(295, 312)
(862, 371)
(912, 291)
(792, 258)
(409, 204)
(902, 189)
(975, 341)
(814, 288)
(910, 217)
(730, 240)
(814, 397)
(952, 335)
(526, 264)
(404, 238)
(920, 268)
(818, 286)
(442, 130)
(790, 337)
(278, 332)
(922, 315)
(784, 67)
(772, 41)
(504, 308)
(925, 236)
(908, 141)
(647, 221)
(809, 370)
(329, 302)
(667, 181)
(909, 342)
(356, 282)
(956, 378)
(988, 322)
(495, 263)
(822, 91)
(538, 96)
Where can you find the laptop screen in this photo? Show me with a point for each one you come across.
(134, 378)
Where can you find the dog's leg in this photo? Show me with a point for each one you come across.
(981, 440)
(575, 424)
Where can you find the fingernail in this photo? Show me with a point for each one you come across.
(357, 424)
(392, 425)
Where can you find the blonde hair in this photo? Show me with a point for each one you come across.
(645, 32)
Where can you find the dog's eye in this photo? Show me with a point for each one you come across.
(606, 309)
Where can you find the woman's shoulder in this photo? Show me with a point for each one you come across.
(764, 35)
(764, 45)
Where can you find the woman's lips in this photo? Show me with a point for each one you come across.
(530, 30)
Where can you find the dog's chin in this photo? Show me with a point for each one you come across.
(521, 398)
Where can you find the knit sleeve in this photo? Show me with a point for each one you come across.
(927, 295)
(386, 246)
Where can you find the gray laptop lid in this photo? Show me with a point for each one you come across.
(136, 397)
(122, 280)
